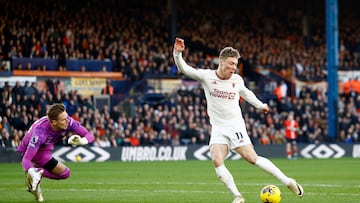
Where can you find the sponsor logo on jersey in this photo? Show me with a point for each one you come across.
(222, 94)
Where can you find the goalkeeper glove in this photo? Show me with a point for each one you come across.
(77, 140)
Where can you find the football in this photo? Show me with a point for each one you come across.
(78, 158)
(270, 194)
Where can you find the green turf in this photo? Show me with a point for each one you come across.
(330, 180)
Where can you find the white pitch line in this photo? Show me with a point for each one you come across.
(176, 191)
(215, 183)
(219, 183)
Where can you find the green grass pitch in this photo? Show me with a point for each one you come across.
(324, 180)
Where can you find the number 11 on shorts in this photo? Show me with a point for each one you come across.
(238, 135)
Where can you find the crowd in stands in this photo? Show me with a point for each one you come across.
(180, 119)
(136, 37)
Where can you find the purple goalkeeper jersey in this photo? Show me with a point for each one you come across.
(40, 139)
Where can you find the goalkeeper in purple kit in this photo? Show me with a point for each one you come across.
(38, 144)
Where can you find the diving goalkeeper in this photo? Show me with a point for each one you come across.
(38, 143)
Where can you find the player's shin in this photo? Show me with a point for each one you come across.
(266, 165)
(64, 175)
(225, 176)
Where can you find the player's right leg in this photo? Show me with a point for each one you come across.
(218, 153)
(288, 150)
(33, 178)
(37, 194)
(52, 169)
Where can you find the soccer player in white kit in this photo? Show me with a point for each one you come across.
(223, 89)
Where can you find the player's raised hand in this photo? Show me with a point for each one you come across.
(179, 45)
(266, 109)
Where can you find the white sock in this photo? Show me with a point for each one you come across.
(225, 176)
(266, 165)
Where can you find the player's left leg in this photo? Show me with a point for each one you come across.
(239, 199)
(56, 170)
(294, 149)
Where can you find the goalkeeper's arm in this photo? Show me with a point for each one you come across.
(81, 140)
(81, 135)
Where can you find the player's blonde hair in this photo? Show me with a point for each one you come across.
(229, 52)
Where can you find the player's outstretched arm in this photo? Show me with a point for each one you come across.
(179, 47)
(77, 129)
(250, 97)
(265, 109)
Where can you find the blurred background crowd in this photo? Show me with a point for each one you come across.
(285, 38)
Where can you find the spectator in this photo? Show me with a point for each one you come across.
(284, 88)
(138, 55)
(5, 124)
(134, 139)
(17, 90)
(108, 89)
(278, 92)
(6, 140)
(16, 138)
(164, 138)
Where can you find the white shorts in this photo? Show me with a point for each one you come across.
(234, 136)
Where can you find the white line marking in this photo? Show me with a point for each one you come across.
(177, 191)
(220, 183)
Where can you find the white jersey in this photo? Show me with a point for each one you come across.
(222, 96)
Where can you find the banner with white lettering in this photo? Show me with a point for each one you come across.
(181, 153)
